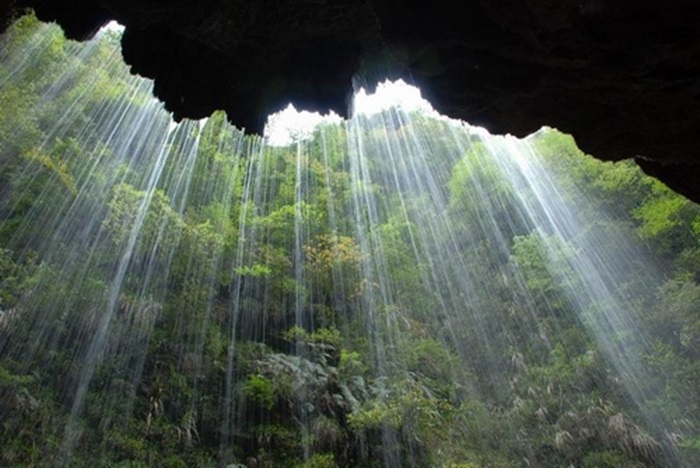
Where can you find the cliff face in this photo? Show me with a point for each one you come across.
(622, 76)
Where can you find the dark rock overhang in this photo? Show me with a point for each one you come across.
(622, 76)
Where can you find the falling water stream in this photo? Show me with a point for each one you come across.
(397, 289)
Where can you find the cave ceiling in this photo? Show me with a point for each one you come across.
(621, 76)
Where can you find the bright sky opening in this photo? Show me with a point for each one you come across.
(290, 125)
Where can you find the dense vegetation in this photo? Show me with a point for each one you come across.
(397, 290)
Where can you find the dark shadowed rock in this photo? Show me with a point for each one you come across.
(622, 76)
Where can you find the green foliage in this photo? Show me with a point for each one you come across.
(661, 214)
(150, 214)
(351, 364)
(329, 336)
(544, 263)
(665, 218)
(260, 390)
(15, 278)
(429, 358)
(256, 270)
(320, 460)
(304, 306)
(60, 169)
